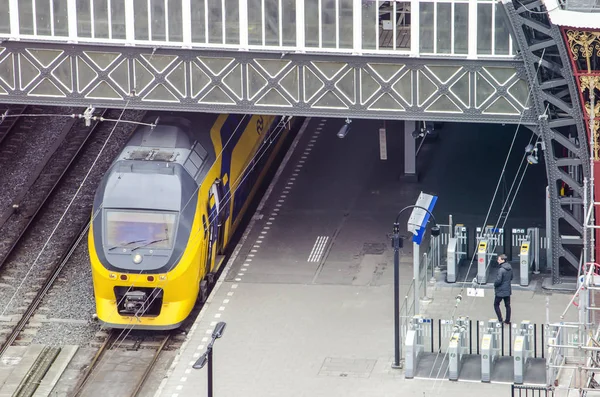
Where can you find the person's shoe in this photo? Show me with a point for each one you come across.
(507, 322)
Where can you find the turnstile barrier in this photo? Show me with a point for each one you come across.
(457, 249)
(458, 347)
(490, 241)
(490, 348)
(523, 350)
(475, 350)
(537, 242)
(416, 338)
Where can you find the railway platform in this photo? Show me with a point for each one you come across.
(308, 294)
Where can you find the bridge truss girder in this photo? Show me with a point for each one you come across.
(322, 85)
(559, 125)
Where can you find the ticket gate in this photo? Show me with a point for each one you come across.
(523, 349)
(459, 345)
(415, 344)
(488, 242)
(466, 350)
(538, 247)
(490, 348)
(525, 262)
(456, 251)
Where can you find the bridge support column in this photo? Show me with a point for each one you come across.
(410, 152)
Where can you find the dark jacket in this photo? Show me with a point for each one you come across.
(503, 279)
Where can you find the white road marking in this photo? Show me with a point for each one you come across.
(318, 249)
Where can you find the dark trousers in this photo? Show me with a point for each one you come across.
(497, 301)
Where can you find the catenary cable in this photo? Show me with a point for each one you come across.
(64, 213)
(270, 139)
(486, 219)
(127, 330)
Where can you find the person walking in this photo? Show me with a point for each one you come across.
(502, 288)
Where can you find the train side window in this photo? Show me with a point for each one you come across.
(204, 224)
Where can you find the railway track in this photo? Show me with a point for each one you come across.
(7, 123)
(41, 293)
(20, 292)
(15, 223)
(39, 186)
(115, 344)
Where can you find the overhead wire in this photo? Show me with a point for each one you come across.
(483, 228)
(73, 116)
(127, 330)
(33, 265)
(512, 200)
(124, 332)
(218, 156)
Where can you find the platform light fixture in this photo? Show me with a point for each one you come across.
(426, 128)
(345, 129)
(532, 152)
(206, 358)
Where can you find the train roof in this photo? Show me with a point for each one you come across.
(161, 136)
(148, 186)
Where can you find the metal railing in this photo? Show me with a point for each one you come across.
(581, 5)
(407, 309)
(531, 391)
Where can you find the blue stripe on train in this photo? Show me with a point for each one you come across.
(233, 128)
(254, 170)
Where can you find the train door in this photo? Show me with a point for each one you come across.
(215, 224)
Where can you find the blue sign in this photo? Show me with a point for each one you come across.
(419, 218)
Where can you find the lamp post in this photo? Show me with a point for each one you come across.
(397, 244)
(207, 356)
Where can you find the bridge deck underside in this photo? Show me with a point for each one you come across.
(269, 83)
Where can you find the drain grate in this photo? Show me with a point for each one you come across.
(373, 248)
(347, 367)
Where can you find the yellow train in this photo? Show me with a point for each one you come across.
(166, 210)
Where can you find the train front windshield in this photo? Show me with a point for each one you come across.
(130, 229)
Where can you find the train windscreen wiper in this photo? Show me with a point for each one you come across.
(126, 244)
(148, 243)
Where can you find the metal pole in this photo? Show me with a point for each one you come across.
(210, 373)
(396, 245)
(416, 265)
(592, 159)
(425, 260)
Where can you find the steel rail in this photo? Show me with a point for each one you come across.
(7, 123)
(94, 363)
(39, 297)
(148, 370)
(32, 217)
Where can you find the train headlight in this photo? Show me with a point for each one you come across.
(112, 276)
(137, 259)
(162, 277)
